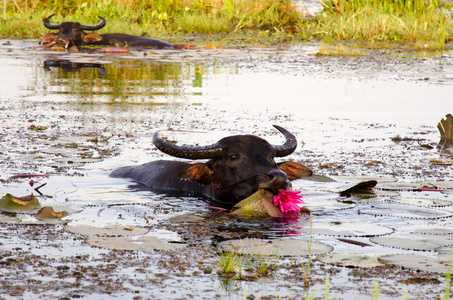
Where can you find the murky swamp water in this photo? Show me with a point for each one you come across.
(78, 116)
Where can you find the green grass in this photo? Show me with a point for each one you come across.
(375, 20)
(425, 24)
(20, 18)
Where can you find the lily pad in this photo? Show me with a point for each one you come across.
(346, 229)
(443, 184)
(404, 211)
(415, 262)
(261, 204)
(404, 186)
(423, 201)
(109, 230)
(143, 243)
(48, 215)
(9, 219)
(422, 242)
(367, 194)
(26, 204)
(351, 260)
(253, 205)
(187, 218)
(278, 247)
(438, 161)
(427, 229)
(364, 178)
(339, 187)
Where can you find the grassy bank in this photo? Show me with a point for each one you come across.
(417, 21)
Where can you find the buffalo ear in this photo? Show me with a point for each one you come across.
(295, 170)
(91, 38)
(197, 172)
(47, 38)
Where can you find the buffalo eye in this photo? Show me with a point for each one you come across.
(233, 156)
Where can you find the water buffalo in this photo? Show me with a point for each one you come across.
(72, 34)
(238, 166)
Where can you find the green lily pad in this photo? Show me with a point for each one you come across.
(438, 161)
(364, 178)
(423, 201)
(404, 186)
(346, 229)
(9, 219)
(49, 216)
(278, 247)
(26, 204)
(443, 184)
(427, 229)
(143, 243)
(350, 260)
(252, 206)
(109, 230)
(404, 211)
(446, 258)
(423, 242)
(257, 205)
(415, 262)
(187, 218)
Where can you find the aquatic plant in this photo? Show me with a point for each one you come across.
(287, 200)
(375, 292)
(229, 262)
(309, 244)
(448, 280)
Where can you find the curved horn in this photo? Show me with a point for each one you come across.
(94, 27)
(211, 151)
(46, 22)
(289, 146)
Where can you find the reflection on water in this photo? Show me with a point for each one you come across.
(101, 111)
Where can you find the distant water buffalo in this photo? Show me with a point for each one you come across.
(72, 34)
(238, 166)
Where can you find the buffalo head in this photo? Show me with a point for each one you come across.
(71, 33)
(238, 165)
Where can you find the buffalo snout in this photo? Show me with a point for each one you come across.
(276, 180)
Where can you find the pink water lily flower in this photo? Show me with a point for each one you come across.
(287, 200)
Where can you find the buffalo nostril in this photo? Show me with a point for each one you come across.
(276, 175)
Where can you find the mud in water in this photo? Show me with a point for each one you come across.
(77, 116)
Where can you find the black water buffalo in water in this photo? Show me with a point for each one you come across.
(73, 34)
(238, 166)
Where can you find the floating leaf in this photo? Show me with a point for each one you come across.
(9, 219)
(415, 262)
(253, 205)
(260, 204)
(34, 127)
(11, 203)
(445, 127)
(346, 229)
(144, 243)
(281, 247)
(109, 230)
(423, 201)
(351, 260)
(404, 211)
(427, 229)
(48, 215)
(364, 178)
(338, 187)
(186, 218)
(438, 161)
(442, 184)
(423, 242)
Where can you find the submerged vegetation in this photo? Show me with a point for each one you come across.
(414, 21)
